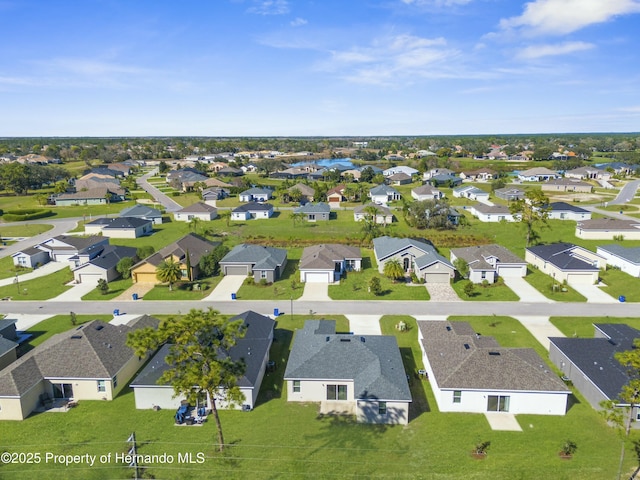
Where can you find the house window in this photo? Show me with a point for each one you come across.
(183, 273)
(115, 381)
(484, 275)
(382, 408)
(263, 274)
(457, 396)
(312, 217)
(498, 403)
(296, 386)
(102, 387)
(336, 392)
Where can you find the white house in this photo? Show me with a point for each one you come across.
(488, 262)
(256, 195)
(30, 257)
(426, 192)
(492, 213)
(471, 192)
(566, 211)
(608, 229)
(120, 227)
(400, 169)
(382, 194)
(252, 210)
(327, 263)
(199, 210)
(359, 375)
(626, 259)
(470, 372)
(537, 174)
(566, 262)
(383, 214)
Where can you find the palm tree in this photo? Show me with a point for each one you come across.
(226, 214)
(296, 217)
(169, 271)
(193, 224)
(393, 270)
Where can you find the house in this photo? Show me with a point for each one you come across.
(211, 195)
(291, 173)
(93, 196)
(191, 245)
(482, 175)
(566, 211)
(398, 179)
(314, 212)
(537, 174)
(415, 256)
(567, 185)
(88, 362)
(256, 194)
(199, 210)
(488, 262)
(8, 342)
(588, 173)
(230, 171)
(63, 247)
(30, 257)
(492, 213)
(626, 259)
(394, 157)
(590, 364)
(509, 193)
(438, 171)
(119, 227)
(306, 191)
(471, 192)
(445, 179)
(144, 212)
(360, 375)
(608, 229)
(566, 262)
(426, 192)
(103, 266)
(470, 372)
(253, 348)
(383, 214)
(249, 168)
(327, 263)
(252, 210)
(95, 180)
(410, 172)
(263, 263)
(382, 194)
(335, 195)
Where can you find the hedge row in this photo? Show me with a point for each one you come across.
(22, 215)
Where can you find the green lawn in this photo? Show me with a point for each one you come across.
(41, 288)
(26, 230)
(289, 440)
(544, 284)
(116, 287)
(583, 326)
(620, 283)
(355, 286)
(8, 269)
(288, 286)
(493, 292)
(184, 290)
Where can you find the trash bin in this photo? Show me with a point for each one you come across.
(116, 312)
(276, 312)
(622, 298)
(233, 296)
(135, 296)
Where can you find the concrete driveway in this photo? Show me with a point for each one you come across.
(441, 292)
(364, 324)
(525, 291)
(43, 271)
(503, 421)
(594, 294)
(228, 285)
(540, 327)
(315, 291)
(76, 292)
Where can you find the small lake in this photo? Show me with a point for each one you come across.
(326, 162)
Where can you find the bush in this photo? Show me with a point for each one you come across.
(26, 214)
(175, 194)
(249, 281)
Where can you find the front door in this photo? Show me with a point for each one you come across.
(498, 403)
(62, 390)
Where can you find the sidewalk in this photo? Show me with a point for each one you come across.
(43, 271)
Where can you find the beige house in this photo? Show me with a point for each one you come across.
(567, 185)
(608, 229)
(89, 362)
(120, 227)
(565, 262)
(383, 214)
(359, 375)
(201, 211)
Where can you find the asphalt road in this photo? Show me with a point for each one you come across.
(60, 227)
(168, 203)
(344, 307)
(626, 193)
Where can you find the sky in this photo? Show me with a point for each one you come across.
(318, 67)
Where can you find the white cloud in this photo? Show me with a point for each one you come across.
(631, 109)
(438, 3)
(547, 50)
(298, 22)
(269, 7)
(565, 16)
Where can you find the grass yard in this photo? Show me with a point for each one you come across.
(8, 269)
(184, 290)
(492, 292)
(41, 288)
(355, 286)
(24, 230)
(583, 327)
(288, 286)
(544, 284)
(621, 283)
(116, 287)
(282, 440)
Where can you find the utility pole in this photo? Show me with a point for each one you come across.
(133, 451)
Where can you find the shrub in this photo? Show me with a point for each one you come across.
(263, 282)
(175, 194)
(249, 281)
(26, 214)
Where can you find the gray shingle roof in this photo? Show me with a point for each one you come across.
(253, 207)
(192, 243)
(631, 254)
(564, 206)
(385, 247)
(262, 258)
(141, 211)
(373, 362)
(562, 256)
(257, 191)
(324, 256)
(198, 207)
(609, 224)
(595, 356)
(110, 256)
(94, 350)
(383, 190)
(460, 359)
(382, 210)
(498, 209)
(319, 207)
(126, 222)
(486, 256)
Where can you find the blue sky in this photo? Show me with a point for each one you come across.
(320, 67)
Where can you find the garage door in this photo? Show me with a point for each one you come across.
(437, 277)
(236, 270)
(146, 278)
(511, 271)
(317, 277)
(577, 279)
(89, 278)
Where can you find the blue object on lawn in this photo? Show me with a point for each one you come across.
(135, 296)
(622, 298)
(116, 312)
(233, 296)
(276, 312)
